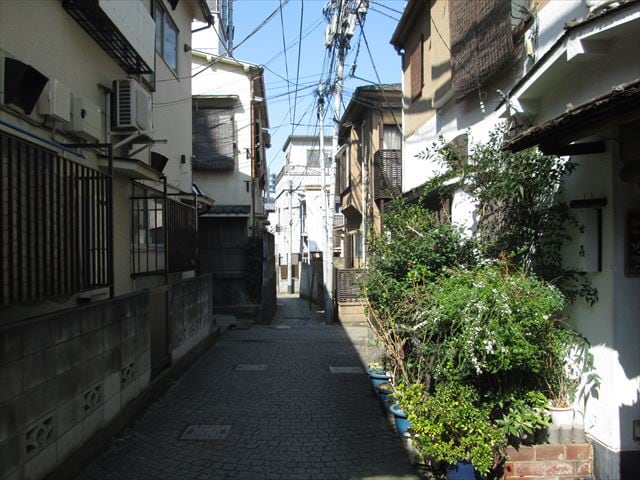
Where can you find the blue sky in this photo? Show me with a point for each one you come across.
(266, 46)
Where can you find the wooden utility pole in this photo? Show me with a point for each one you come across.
(343, 16)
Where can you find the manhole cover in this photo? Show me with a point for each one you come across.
(346, 369)
(280, 327)
(205, 432)
(249, 367)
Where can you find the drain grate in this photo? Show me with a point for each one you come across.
(206, 432)
(346, 369)
(251, 367)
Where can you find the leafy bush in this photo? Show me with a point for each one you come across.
(471, 326)
(452, 424)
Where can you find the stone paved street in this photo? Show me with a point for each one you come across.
(285, 414)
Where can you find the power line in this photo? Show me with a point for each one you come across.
(387, 7)
(295, 101)
(384, 14)
(262, 24)
(286, 63)
(375, 70)
(309, 31)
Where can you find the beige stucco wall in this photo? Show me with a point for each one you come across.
(172, 103)
(433, 26)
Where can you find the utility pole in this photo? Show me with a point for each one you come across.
(343, 17)
(230, 29)
(290, 262)
(323, 179)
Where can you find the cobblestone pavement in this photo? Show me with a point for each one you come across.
(286, 415)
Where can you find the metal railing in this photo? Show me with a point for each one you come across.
(54, 224)
(348, 284)
(163, 232)
(183, 236)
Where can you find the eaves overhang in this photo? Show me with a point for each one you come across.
(581, 40)
(409, 16)
(618, 106)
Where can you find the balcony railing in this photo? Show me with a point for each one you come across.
(387, 174)
(338, 220)
(151, 213)
(348, 284)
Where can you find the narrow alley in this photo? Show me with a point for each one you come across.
(273, 409)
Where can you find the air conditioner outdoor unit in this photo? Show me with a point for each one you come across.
(131, 106)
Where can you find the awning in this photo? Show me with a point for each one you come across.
(620, 105)
(215, 101)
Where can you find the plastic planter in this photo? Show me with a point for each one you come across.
(462, 470)
(402, 424)
(377, 377)
(384, 391)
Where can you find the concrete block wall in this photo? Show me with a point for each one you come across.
(550, 462)
(351, 313)
(190, 313)
(65, 375)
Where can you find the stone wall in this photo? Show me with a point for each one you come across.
(190, 314)
(268, 293)
(63, 376)
(552, 461)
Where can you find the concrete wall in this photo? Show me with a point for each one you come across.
(269, 280)
(68, 374)
(64, 376)
(190, 314)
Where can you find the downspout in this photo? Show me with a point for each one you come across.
(253, 161)
(365, 194)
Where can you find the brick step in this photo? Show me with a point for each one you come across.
(543, 462)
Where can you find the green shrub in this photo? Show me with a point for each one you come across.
(452, 424)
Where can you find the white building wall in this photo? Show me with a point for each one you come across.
(172, 104)
(220, 78)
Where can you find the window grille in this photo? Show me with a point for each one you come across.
(214, 140)
(54, 232)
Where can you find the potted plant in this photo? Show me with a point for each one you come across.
(385, 391)
(377, 375)
(400, 419)
(573, 383)
(452, 428)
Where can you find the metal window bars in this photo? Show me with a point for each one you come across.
(55, 232)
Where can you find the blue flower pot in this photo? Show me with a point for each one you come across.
(462, 470)
(383, 395)
(402, 424)
(377, 379)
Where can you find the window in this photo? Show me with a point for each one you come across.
(416, 68)
(214, 139)
(313, 158)
(166, 36)
(391, 138)
(344, 170)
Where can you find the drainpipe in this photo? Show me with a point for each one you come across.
(253, 160)
(365, 194)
